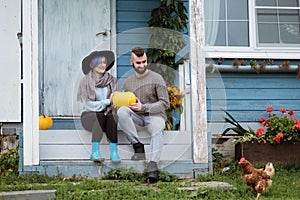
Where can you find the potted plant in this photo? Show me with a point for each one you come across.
(277, 140)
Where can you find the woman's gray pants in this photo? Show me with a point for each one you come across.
(130, 123)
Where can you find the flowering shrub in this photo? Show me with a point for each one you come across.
(275, 128)
(176, 99)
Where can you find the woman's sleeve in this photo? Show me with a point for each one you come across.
(96, 106)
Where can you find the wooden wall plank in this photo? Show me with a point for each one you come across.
(142, 5)
(242, 116)
(257, 81)
(253, 93)
(256, 104)
(134, 16)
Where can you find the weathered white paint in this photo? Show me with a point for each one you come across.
(198, 81)
(10, 61)
(70, 32)
(30, 83)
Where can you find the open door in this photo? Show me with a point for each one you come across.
(69, 30)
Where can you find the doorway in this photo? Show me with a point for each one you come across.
(68, 31)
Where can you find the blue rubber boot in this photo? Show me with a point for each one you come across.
(114, 156)
(96, 156)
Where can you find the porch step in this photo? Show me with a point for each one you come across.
(67, 168)
(76, 145)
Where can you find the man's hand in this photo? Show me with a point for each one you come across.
(136, 106)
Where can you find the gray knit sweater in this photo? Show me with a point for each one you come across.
(151, 91)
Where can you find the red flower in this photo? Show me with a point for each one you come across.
(295, 120)
(277, 138)
(260, 131)
(265, 124)
(262, 119)
(296, 126)
(270, 109)
(291, 112)
(282, 110)
(280, 135)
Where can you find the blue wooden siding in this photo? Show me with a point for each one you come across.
(132, 18)
(246, 96)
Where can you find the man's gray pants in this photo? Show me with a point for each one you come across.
(131, 123)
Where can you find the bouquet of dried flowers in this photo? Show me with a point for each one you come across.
(176, 99)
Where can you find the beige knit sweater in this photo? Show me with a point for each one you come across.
(151, 90)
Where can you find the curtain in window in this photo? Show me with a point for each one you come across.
(212, 15)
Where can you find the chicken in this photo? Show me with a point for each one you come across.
(269, 169)
(258, 179)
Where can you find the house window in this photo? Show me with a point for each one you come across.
(278, 22)
(226, 22)
(252, 23)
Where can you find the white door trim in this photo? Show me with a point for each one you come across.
(30, 83)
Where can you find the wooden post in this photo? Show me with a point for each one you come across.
(30, 83)
(198, 81)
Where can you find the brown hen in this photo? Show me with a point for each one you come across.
(258, 179)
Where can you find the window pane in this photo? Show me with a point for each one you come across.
(214, 9)
(267, 15)
(289, 33)
(215, 33)
(221, 36)
(237, 9)
(222, 13)
(238, 34)
(288, 3)
(266, 2)
(268, 33)
(287, 15)
(277, 3)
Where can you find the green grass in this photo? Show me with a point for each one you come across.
(132, 185)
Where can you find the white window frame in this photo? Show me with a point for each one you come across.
(256, 27)
(253, 50)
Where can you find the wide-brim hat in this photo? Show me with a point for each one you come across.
(109, 55)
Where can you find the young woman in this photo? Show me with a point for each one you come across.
(95, 91)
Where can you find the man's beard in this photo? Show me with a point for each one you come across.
(138, 71)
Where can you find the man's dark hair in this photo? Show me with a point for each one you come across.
(138, 51)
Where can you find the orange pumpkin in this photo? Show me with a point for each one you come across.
(123, 99)
(45, 122)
